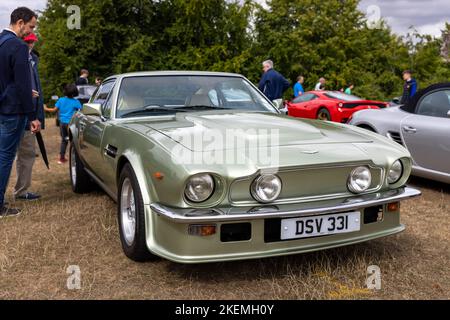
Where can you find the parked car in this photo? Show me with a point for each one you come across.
(323, 185)
(329, 105)
(423, 127)
(85, 92)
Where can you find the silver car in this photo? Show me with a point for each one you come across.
(422, 126)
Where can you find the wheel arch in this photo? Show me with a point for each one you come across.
(72, 133)
(367, 127)
(322, 107)
(144, 180)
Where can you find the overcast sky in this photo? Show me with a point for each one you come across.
(428, 16)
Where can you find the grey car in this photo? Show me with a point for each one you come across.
(422, 126)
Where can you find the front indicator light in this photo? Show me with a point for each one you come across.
(201, 230)
(393, 207)
(158, 175)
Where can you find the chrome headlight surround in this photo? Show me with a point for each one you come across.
(199, 187)
(359, 180)
(266, 188)
(395, 172)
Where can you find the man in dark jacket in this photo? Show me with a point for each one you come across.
(409, 87)
(83, 78)
(26, 154)
(16, 95)
(272, 83)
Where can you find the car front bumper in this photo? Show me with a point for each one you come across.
(167, 228)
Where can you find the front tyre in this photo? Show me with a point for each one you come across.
(131, 217)
(79, 179)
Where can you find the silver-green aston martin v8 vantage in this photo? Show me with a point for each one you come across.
(204, 168)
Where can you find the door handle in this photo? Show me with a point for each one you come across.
(409, 129)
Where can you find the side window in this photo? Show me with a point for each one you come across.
(94, 94)
(103, 92)
(436, 104)
(304, 98)
(107, 106)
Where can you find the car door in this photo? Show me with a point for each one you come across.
(93, 129)
(427, 132)
(302, 106)
(106, 169)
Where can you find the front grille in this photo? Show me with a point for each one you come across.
(306, 184)
(395, 136)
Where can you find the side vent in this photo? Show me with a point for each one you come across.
(111, 151)
(395, 136)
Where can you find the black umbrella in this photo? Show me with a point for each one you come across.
(42, 148)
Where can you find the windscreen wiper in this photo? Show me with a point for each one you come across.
(202, 107)
(152, 108)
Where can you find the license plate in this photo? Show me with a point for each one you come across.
(314, 226)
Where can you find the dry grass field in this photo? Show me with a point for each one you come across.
(65, 229)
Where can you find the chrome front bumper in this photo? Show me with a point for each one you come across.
(221, 214)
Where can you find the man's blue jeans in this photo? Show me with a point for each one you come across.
(11, 130)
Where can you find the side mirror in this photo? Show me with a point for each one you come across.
(448, 113)
(54, 98)
(278, 103)
(92, 109)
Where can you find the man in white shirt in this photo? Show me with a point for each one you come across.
(320, 85)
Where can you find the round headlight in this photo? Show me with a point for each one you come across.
(395, 172)
(266, 188)
(199, 187)
(359, 180)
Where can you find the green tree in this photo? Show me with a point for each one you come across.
(134, 35)
(308, 37)
(329, 39)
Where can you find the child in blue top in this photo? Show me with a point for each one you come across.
(67, 106)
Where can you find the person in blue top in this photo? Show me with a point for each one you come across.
(67, 106)
(409, 87)
(298, 87)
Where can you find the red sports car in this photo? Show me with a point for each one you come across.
(329, 105)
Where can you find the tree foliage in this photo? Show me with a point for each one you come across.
(307, 37)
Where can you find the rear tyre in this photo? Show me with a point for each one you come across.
(80, 180)
(131, 217)
(323, 114)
